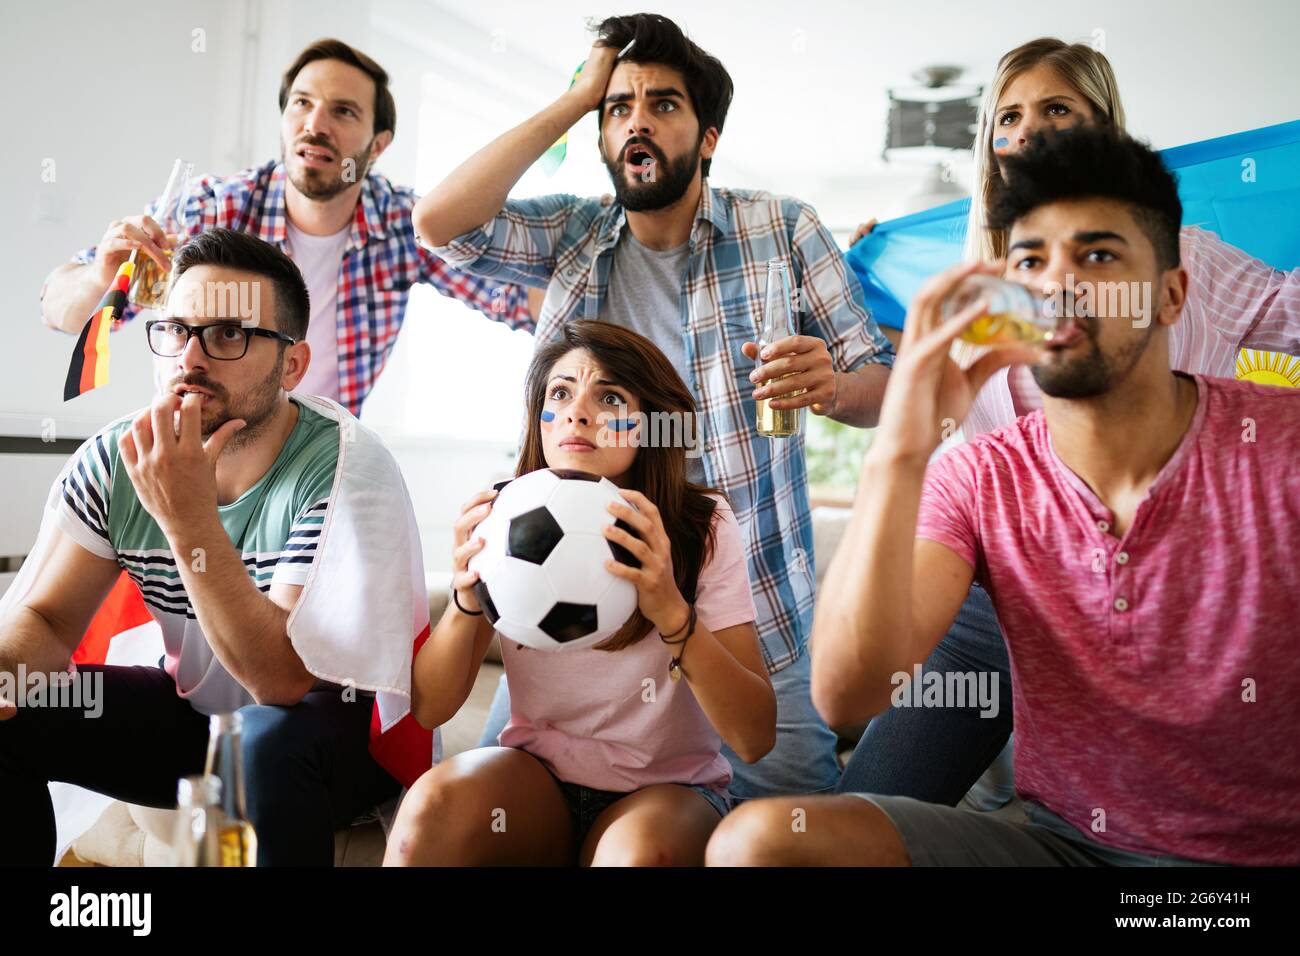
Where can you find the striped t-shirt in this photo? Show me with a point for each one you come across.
(274, 526)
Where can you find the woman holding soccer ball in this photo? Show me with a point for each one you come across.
(612, 755)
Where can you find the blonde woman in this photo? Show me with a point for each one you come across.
(1233, 301)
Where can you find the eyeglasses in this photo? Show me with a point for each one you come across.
(224, 341)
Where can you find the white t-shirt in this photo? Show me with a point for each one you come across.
(319, 258)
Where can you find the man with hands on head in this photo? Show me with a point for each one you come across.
(214, 500)
(684, 264)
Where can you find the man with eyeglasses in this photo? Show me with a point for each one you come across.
(221, 502)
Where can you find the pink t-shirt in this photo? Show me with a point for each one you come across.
(1156, 676)
(615, 720)
(1234, 302)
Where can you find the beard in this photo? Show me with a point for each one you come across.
(1092, 373)
(323, 184)
(671, 178)
(256, 405)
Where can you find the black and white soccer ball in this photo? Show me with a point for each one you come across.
(542, 576)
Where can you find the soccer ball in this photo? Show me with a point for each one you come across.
(542, 577)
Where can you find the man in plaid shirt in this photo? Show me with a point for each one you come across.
(686, 265)
(348, 229)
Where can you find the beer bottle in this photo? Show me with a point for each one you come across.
(198, 807)
(236, 839)
(777, 325)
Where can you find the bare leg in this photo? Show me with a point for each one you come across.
(662, 825)
(494, 806)
(807, 831)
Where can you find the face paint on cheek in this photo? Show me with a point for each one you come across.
(621, 424)
(1001, 143)
(548, 419)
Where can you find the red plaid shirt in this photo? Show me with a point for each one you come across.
(381, 261)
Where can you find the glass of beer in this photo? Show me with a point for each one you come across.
(1011, 314)
(149, 281)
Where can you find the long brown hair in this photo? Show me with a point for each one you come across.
(658, 471)
(1081, 66)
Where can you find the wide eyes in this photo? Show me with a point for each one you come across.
(1011, 117)
(560, 392)
(663, 106)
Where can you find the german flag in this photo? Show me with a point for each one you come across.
(89, 368)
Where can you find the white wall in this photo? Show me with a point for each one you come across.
(116, 94)
(109, 100)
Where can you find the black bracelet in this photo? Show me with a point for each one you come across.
(688, 627)
(455, 596)
(690, 612)
(675, 669)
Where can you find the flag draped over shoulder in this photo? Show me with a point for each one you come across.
(363, 612)
(1245, 187)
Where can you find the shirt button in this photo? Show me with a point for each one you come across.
(1121, 558)
(1121, 604)
(1103, 526)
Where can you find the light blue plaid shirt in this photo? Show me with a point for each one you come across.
(566, 245)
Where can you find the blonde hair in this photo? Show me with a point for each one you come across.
(1078, 64)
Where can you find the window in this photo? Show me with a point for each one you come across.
(455, 373)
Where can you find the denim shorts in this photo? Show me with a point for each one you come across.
(587, 803)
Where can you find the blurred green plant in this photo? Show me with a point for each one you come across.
(834, 453)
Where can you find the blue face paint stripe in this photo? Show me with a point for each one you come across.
(1000, 142)
(548, 416)
(622, 424)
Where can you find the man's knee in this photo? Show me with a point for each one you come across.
(756, 833)
(265, 732)
(281, 750)
(807, 831)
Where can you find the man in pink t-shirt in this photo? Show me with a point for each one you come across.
(1136, 537)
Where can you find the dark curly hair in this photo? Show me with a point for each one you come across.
(1100, 163)
(660, 40)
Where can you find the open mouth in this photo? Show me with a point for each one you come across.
(1064, 335)
(640, 157)
(183, 390)
(314, 156)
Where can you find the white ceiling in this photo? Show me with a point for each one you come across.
(810, 77)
